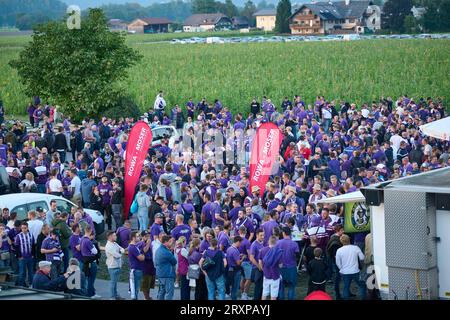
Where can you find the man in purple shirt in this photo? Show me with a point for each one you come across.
(223, 236)
(181, 229)
(89, 253)
(288, 264)
(234, 261)
(74, 244)
(105, 190)
(24, 245)
(269, 225)
(207, 211)
(136, 260)
(271, 283)
(157, 226)
(246, 265)
(51, 247)
(257, 275)
(245, 221)
(123, 234)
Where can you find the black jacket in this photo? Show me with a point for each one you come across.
(96, 202)
(318, 271)
(60, 142)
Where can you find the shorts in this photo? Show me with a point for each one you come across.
(148, 282)
(246, 270)
(271, 287)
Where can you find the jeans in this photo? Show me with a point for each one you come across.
(117, 214)
(91, 279)
(114, 275)
(25, 265)
(66, 258)
(143, 221)
(347, 278)
(289, 280)
(235, 281)
(55, 269)
(337, 280)
(166, 288)
(257, 278)
(41, 188)
(185, 290)
(326, 124)
(135, 283)
(62, 156)
(218, 284)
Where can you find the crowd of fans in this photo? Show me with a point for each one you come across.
(199, 224)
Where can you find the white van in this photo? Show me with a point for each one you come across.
(24, 202)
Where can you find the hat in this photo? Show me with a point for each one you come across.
(380, 166)
(193, 181)
(255, 189)
(40, 209)
(317, 187)
(159, 215)
(44, 264)
(291, 188)
(144, 233)
(279, 196)
(183, 184)
(315, 221)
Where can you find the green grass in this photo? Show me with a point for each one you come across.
(358, 71)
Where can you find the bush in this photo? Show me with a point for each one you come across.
(123, 108)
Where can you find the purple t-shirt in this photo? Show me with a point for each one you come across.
(133, 252)
(73, 242)
(86, 246)
(244, 248)
(204, 245)
(123, 234)
(244, 222)
(156, 229)
(290, 248)
(182, 230)
(223, 239)
(232, 256)
(255, 250)
(104, 190)
(268, 229)
(211, 253)
(270, 272)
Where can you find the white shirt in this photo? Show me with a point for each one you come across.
(326, 114)
(155, 246)
(76, 184)
(365, 113)
(396, 140)
(347, 259)
(35, 227)
(159, 102)
(55, 185)
(113, 255)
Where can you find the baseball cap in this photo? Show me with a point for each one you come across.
(144, 233)
(159, 215)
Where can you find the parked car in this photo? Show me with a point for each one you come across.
(24, 202)
(161, 132)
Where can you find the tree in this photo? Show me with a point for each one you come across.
(394, 13)
(77, 69)
(410, 24)
(204, 6)
(436, 17)
(264, 5)
(230, 9)
(283, 14)
(248, 11)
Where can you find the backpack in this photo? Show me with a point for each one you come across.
(272, 257)
(183, 264)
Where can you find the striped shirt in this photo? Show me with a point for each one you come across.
(24, 242)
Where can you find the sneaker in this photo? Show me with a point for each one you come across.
(244, 296)
(177, 285)
(227, 297)
(96, 296)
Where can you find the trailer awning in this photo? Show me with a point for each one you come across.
(356, 196)
(437, 129)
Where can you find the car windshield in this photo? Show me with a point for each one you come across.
(64, 205)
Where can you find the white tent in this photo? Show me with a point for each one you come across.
(356, 196)
(437, 129)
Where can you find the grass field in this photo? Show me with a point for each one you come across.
(359, 71)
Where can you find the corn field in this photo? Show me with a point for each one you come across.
(356, 71)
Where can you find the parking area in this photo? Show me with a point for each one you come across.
(296, 38)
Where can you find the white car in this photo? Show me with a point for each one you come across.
(24, 202)
(160, 132)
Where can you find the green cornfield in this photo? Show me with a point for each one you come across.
(356, 71)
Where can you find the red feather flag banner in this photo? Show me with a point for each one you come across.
(265, 150)
(137, 147)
